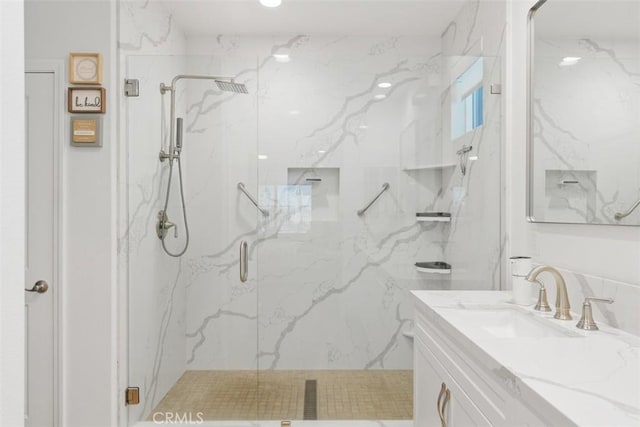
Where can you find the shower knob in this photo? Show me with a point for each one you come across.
(164, 225)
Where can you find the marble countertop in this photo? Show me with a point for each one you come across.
(591, 378)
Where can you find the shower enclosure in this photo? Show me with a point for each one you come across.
(317, 323)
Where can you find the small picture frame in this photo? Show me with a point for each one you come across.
(86, 100)
(85, 68)
(86, 131)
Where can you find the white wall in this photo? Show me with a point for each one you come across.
(88, 288)
(608, 251)
(12, 191)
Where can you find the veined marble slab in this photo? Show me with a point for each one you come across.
(592, 379)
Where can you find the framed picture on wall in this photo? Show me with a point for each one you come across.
(86, 100)
(86, 131)
(85, 68)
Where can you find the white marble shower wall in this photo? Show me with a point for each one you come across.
(586, 130)
(327, 289)
(475, 240)
(331, 287)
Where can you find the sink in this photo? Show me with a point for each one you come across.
(508, 322)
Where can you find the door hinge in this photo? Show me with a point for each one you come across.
(131, 87)
(132, 396)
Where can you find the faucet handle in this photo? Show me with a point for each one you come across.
(586, 321)
(542, 304)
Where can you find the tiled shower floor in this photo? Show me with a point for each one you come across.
(279, 395)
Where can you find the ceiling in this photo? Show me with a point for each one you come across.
(313, 17)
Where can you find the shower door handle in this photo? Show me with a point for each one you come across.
(244, 265)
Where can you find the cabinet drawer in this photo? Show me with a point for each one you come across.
(430, 375)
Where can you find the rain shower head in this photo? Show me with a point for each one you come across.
(231, 86)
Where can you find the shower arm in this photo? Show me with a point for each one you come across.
(172, 153)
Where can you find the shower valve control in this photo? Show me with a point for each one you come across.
(164, 225)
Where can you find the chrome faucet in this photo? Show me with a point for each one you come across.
(562, 299)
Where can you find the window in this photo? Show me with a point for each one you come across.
(467, 100)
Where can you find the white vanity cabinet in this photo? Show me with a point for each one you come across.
(439, 401)
(451, 390)
(480, 360)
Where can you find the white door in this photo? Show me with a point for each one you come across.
(39, 306)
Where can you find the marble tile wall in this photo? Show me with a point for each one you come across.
(327, 289)
(330, 288)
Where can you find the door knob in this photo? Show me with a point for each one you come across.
(40, 287)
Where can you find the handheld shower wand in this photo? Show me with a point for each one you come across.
(179, 135)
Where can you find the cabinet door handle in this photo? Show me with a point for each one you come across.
(447, 397)
(443, 389)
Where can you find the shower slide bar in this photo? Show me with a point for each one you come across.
(242, 188)
(621, 215)
(385, 187)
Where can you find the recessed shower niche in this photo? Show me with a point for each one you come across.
(570, 195)
(313, 192)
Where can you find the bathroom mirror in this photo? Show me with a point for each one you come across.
(584, 112)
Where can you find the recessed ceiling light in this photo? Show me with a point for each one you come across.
(321, 151)
(363, 127)
(380, 96)
(262, 157)
(294, 112)
(568, 61)
(384, 85)
(271, 3)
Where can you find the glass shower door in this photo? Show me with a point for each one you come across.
(367, 201)
(335, 312)
(192, 320)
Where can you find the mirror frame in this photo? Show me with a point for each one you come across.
(530, 61)
(529, 150)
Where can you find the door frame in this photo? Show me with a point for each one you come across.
(55, 67)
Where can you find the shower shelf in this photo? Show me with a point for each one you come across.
(428, 167)
(437, 267)
(433, 217)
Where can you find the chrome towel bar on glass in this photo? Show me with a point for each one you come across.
(242, 188)
(385, 187)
